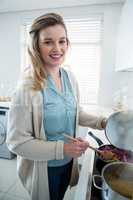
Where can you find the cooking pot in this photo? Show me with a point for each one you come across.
(117, 181)
(119, 154)
(119, 129)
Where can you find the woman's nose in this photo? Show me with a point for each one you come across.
(56, 47)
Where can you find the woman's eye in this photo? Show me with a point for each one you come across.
(48, 42)
(62, 42)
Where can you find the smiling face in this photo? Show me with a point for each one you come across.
(53, 45)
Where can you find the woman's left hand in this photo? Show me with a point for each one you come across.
(103, 123)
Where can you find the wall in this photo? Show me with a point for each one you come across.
(10, 46)
(9, 49)
(113, 84)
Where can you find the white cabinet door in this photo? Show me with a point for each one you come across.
(124, 53)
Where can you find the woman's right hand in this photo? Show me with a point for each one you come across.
(75, 149)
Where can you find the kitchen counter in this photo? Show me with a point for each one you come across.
(83, 188)
(5, 104)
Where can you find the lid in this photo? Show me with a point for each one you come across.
(119, 129)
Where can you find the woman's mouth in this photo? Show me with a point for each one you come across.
(56, 56)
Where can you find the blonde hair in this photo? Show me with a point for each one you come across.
(38, 72)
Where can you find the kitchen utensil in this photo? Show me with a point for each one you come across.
(117, 181)
(70, 137)
(89, 146)
(119, 154)
(119, 129)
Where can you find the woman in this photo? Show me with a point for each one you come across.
(44, 107)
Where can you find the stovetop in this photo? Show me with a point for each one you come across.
(96, 194)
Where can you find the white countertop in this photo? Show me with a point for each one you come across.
(83, 188)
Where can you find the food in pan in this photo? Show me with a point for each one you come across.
(123, 187)
(110, 153)
(121, 180)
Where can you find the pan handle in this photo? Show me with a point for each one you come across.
(101, 180)
(99, 142)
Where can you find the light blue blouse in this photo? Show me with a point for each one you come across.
(59, 112)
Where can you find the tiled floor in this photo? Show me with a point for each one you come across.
(11, 188)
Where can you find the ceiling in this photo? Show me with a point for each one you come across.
(24, 5)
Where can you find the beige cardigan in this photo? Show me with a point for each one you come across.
(26, 138)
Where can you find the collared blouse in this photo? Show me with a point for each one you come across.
(60, 112)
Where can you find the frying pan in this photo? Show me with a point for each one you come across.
(119, 154)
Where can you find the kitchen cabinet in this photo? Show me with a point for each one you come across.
(124, 49)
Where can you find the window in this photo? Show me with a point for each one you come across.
(84, 56)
